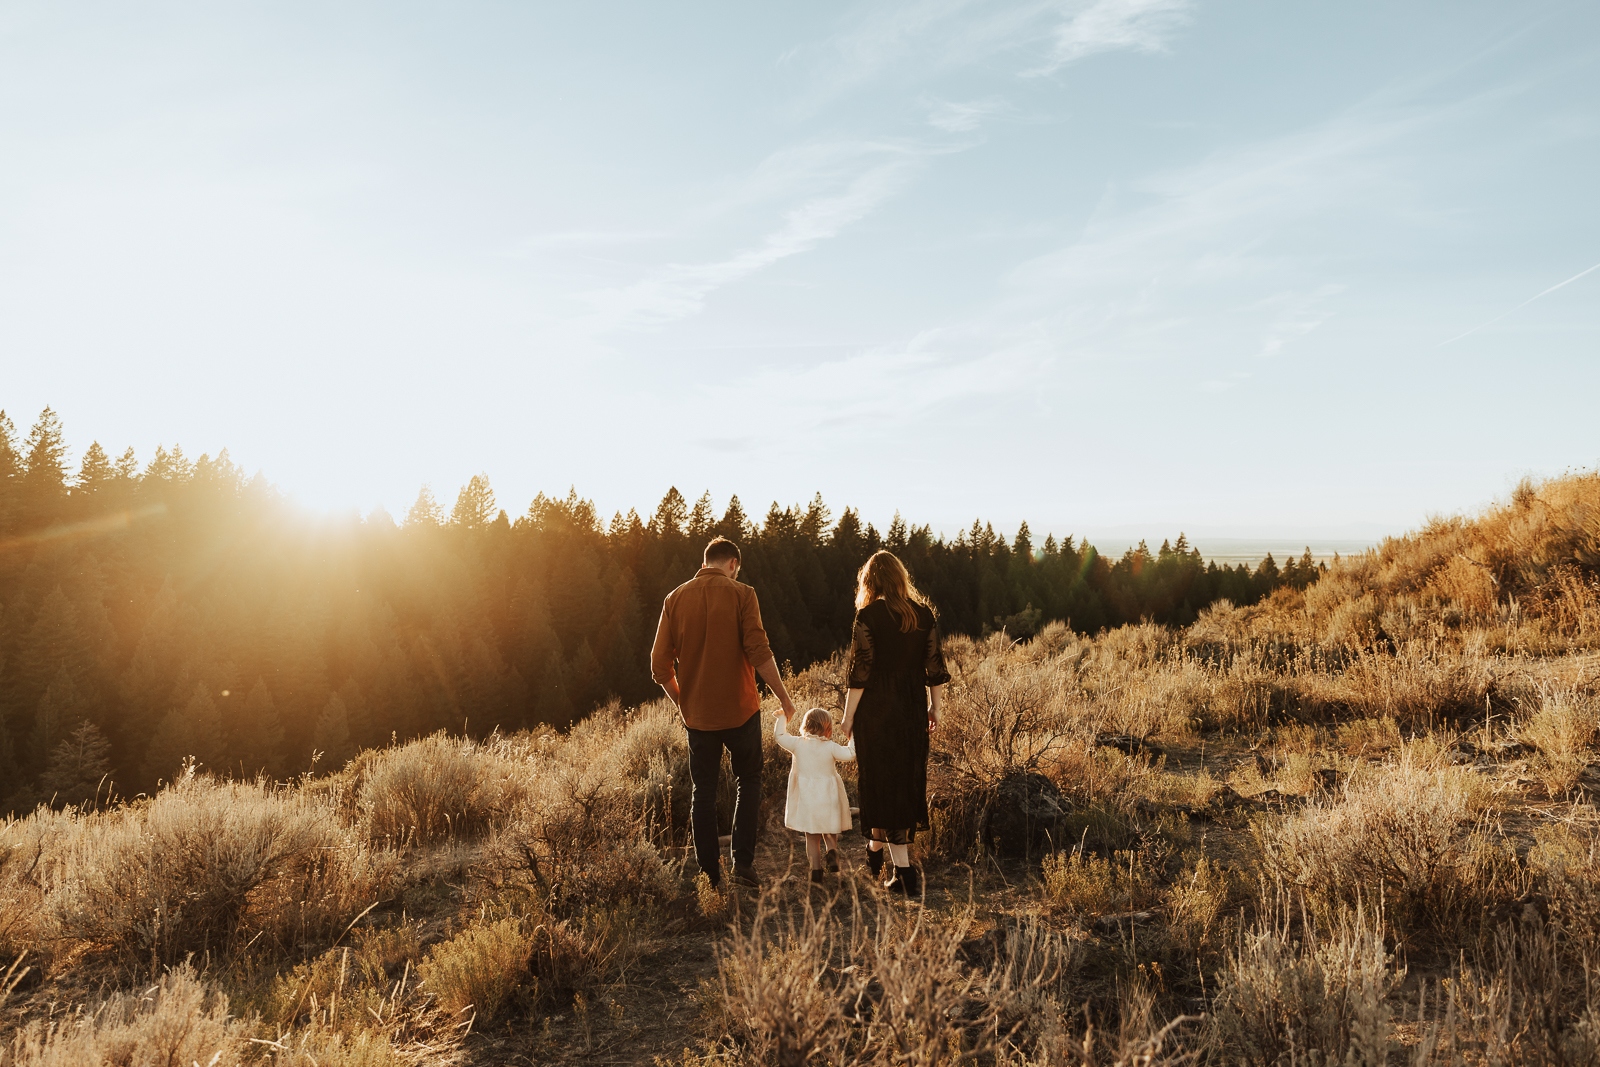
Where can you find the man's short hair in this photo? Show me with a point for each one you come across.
(720, 550)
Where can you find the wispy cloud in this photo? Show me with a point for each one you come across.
(956, 117)
(884, 387)
(931, 37)
(680, 290)
(1112, 25)
(1300, 314)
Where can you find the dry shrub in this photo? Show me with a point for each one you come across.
(1007, 714)
(435, 788)
(1087, 884)
(1308, 999)
(206, 865)
(175, 1021)
(535, 959)
(577, 844)
(1563, 729)
(1402, 837)
(28, 847)
(1143, 645)
(1351, 623)
(480, 969)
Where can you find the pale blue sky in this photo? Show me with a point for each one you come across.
(1108, 263)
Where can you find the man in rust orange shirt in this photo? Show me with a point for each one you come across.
(709, 646)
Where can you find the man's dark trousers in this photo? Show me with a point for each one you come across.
(705, 767)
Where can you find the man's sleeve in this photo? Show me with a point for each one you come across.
(662, 654)
(757, 650)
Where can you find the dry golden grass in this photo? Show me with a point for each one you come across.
(1250, 820)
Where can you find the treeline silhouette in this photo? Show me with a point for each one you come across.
(172, 609)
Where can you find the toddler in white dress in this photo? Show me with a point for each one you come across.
(818, 805)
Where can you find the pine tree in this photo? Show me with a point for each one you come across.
(54, 643)
(44, 470)
(60, 709)
(475, 507)
(896, 539)
(10, 473)
(734, 524)
(701, 519)
(670, 517)
(1022, 547)
(79, 769)
(95, 475)
(331, 736)
(425, 513)
(128, 467)
(847, 536)
(10, 457)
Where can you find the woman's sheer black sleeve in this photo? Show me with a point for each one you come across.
(858, 667)
(935, 671)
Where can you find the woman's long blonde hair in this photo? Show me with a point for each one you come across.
(885, 576)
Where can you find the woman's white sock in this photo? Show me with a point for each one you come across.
(901, 854)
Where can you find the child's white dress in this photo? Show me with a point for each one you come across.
(817, 801)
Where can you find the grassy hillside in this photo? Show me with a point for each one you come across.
(1353, 823)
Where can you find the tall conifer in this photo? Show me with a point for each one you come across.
(475, 507)
(425, 513)
(60, 709)
(96, 473)
(79, 769)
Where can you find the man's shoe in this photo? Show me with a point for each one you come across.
(746, 876)
(907, 881)
(875, 861)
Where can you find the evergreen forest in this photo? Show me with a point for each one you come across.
(157, 611)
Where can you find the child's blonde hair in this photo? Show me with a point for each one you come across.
(813, 725)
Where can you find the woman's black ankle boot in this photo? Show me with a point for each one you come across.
(906, 881)
(875, 861)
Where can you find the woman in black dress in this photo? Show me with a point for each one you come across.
(896, 677)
